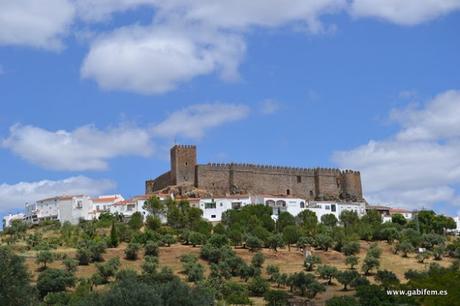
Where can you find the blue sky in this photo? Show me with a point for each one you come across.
(93, 93)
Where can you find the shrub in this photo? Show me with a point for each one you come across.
(168, 239)
(342, 301)
(132, 250)
(276, 297)
(108, 269)
(327, 272)
(350, 248)
(369, 263)
(44, 257)
(235, 294)
(258, 260)
(352, 261)
(324, 241)
(253, 243)
(15, 288)
(196, 238)
(70, 264)
(54, 280)
(258, 286)
(346, 277)
(151, 249)
(136, 221)
(311, 261)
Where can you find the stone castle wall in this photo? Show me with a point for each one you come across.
(227, 179)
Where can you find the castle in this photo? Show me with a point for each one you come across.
(234, 179)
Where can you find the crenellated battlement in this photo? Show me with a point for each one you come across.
(185, 146)
(318, 170)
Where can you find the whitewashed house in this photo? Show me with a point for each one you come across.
(8, 220)
(103, 203)
(73, 209)
(64, 208)
(280, 204)
(213, 208)
(407, 214)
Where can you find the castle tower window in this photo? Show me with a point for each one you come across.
(311, 193)
(288, 192)
(299, 179)
(186, 163)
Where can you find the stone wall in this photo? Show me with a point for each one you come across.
(224, 179)
(159, 183)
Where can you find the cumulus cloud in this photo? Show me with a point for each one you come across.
(85, 148)
(16, 195)
(419, 165)
(34, 23)
(193, 121)
(156, 59)
(406, 12)
(440, 119)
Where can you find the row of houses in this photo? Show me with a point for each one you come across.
(74, 208)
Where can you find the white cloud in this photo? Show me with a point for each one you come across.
(269, 107)
(15, 196)
(85, 148)
(157, 59)
(440, 119)
(35, 23)
(193, 121)
(236, 14)
(419, 166)
(404, 12)
(187, 39)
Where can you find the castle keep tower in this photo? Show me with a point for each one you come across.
(183, 164)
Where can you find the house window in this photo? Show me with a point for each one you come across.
(302, 204)
(221, 204)
(333, 207)
(79, 204)
(236, 205)
(328, 207)
(280, 203)
(270, 203)
(299, 179)
(213, 216)
(288, 192)
(210, 205)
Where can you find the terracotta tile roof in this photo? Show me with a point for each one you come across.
(62, 197)
(378, 207)
(105, 199)
(399, 210)
(124, 202)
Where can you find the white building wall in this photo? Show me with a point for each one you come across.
(75, 209)
(7, 220)
(213, 208)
